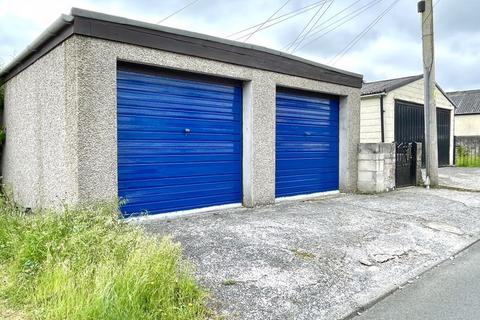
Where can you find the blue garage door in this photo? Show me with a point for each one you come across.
(179, 141)
(306, 143)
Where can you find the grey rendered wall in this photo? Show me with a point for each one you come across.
(39, 157)
(96, 92)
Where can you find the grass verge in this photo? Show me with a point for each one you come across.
(88, 264)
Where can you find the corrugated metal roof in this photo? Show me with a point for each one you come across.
(466, 101)
(387, 85)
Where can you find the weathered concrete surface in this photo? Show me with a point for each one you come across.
(322, 259)
(462, 178)
(449, 291)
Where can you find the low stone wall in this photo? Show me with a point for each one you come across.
(376, 167)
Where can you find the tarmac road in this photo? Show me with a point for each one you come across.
(450, 291)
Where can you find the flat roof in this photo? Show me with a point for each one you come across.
(119, 29)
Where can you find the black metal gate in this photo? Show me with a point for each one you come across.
(443, 136)
(410, 127)
(406, 164)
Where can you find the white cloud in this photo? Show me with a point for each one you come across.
(391, 49)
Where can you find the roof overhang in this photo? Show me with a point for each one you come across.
(113, 28)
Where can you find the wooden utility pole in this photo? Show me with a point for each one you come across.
(431, 143)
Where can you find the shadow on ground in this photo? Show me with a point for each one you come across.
(321, 259)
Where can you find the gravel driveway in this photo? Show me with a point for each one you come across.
(321, 259)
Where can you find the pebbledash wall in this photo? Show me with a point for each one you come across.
(60, 117)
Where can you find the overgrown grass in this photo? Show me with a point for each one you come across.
(473, 161)
(87, 264)
(467, 157)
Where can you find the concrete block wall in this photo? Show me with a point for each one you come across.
(419, 176)
(376, 167)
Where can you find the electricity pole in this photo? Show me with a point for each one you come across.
(431, 148)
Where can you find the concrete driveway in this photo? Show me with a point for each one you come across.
(461, 178)
(321, 259)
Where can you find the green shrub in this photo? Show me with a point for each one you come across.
(88, 264)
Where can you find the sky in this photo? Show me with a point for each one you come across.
(391, 48)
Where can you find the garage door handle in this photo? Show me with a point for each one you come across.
(308, 133)
(186, 130)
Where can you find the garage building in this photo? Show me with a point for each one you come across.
(392, 111)
(101, 107)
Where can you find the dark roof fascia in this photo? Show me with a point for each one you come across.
(468, 114)
(107, 27)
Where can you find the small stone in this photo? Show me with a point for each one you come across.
(366, 262)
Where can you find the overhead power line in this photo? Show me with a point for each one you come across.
(178, 11)
(289, 15)
(355, 40)
(306, 26)
(339, 22)
(266, 21)
(311, 28)
(337, 14)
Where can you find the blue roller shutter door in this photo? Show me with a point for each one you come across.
(179, 142)
(306, 143)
